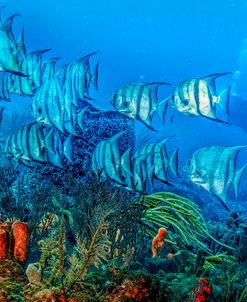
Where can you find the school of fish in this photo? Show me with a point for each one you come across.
(57, 92)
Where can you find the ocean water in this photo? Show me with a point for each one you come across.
(136, 42)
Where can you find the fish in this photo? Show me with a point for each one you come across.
(4, 88)
(214, 169)
(139, 101)
(75, 79)
(9, 47)
(34, 143)
(106, 159)
(48, 69)
(31, 65)
(50, 107)
(158, 162)
(198, 97)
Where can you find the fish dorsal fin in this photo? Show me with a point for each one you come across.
(173, 163)
(7, 25)
(210, 79)
(21, 45)
(126, 161)
(155, 84)
(88, 56)
(234, 150)
(237, 179)
(1, 8)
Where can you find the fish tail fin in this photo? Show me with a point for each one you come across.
(173, 163)
(21, 45)
(94, 76)
(237, 179)
(162, 108)
(224, 100)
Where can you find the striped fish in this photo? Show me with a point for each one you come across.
(213, 168)
(9, 47)
(75, 78)
(106, 159)
(35, 143)
(198, 97)
(158, 162)
(53, 109)
(139, 101)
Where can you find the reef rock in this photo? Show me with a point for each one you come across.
(33, 272)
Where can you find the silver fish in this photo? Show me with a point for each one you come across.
(36, 143)
(106, 159)
(213, 168)
(139, 101)
(198, 97)
(9, 47)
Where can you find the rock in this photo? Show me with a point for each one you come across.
(20, 240)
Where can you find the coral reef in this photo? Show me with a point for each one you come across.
(95, 244)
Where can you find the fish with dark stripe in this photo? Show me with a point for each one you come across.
(9, 47)
(198, 97)
(214, 169)
(139, 101)
(36, 143)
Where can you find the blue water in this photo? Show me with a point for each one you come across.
(147, 41)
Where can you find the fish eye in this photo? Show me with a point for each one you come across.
(185, 101)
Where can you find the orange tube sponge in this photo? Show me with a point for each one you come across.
(3, 244)
(158, 242)
(20, 238)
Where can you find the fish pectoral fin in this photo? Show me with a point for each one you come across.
(237, 179)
